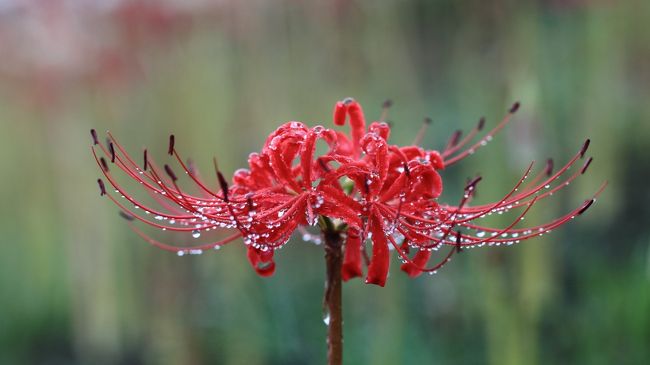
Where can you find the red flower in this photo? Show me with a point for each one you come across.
(376, 192)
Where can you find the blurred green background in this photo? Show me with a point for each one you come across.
(78, 287)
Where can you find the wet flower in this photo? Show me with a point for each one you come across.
(380, 196)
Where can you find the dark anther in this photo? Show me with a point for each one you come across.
(104, 164)
(126, 216)
(171, 144)
(586, 165)
(386, 104)
(459, 247)
(549, 167)
(586, 206)
(190, 167)
(102, 188)
(249, 202)
(584, 148)
(323, 165)
(171, 173)
(93, 133)
(455, 138)
(471, 185)
(428, 120)
(112, 150)
(146, 161)
(481, 124)
(224, 185)
(514, 107)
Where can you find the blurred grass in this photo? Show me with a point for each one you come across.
(78, 287)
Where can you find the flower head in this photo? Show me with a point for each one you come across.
(381, 195)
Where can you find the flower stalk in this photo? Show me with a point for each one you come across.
(332, 301)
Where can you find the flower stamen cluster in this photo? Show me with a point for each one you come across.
(383, 196)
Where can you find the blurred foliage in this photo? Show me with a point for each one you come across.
(78, 287)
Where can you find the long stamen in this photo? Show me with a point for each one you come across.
(487, 138)
(456, 144)
(384, 109)
(453, 142)
(586, 165)
(423, 129)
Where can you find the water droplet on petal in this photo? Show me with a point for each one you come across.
(196, 233)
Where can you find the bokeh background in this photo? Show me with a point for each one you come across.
(78, 287)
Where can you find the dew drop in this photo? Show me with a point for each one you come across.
(196, 233)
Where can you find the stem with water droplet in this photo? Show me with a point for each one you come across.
(332, 301)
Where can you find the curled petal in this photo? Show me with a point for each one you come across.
(428, 181)
(340, 113)
(378, 268)
(412, 268)
(262, 261)
(352, 265)
(357, 124)
(381, 129)
(436, 160)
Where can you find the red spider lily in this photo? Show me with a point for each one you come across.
(378, 193)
